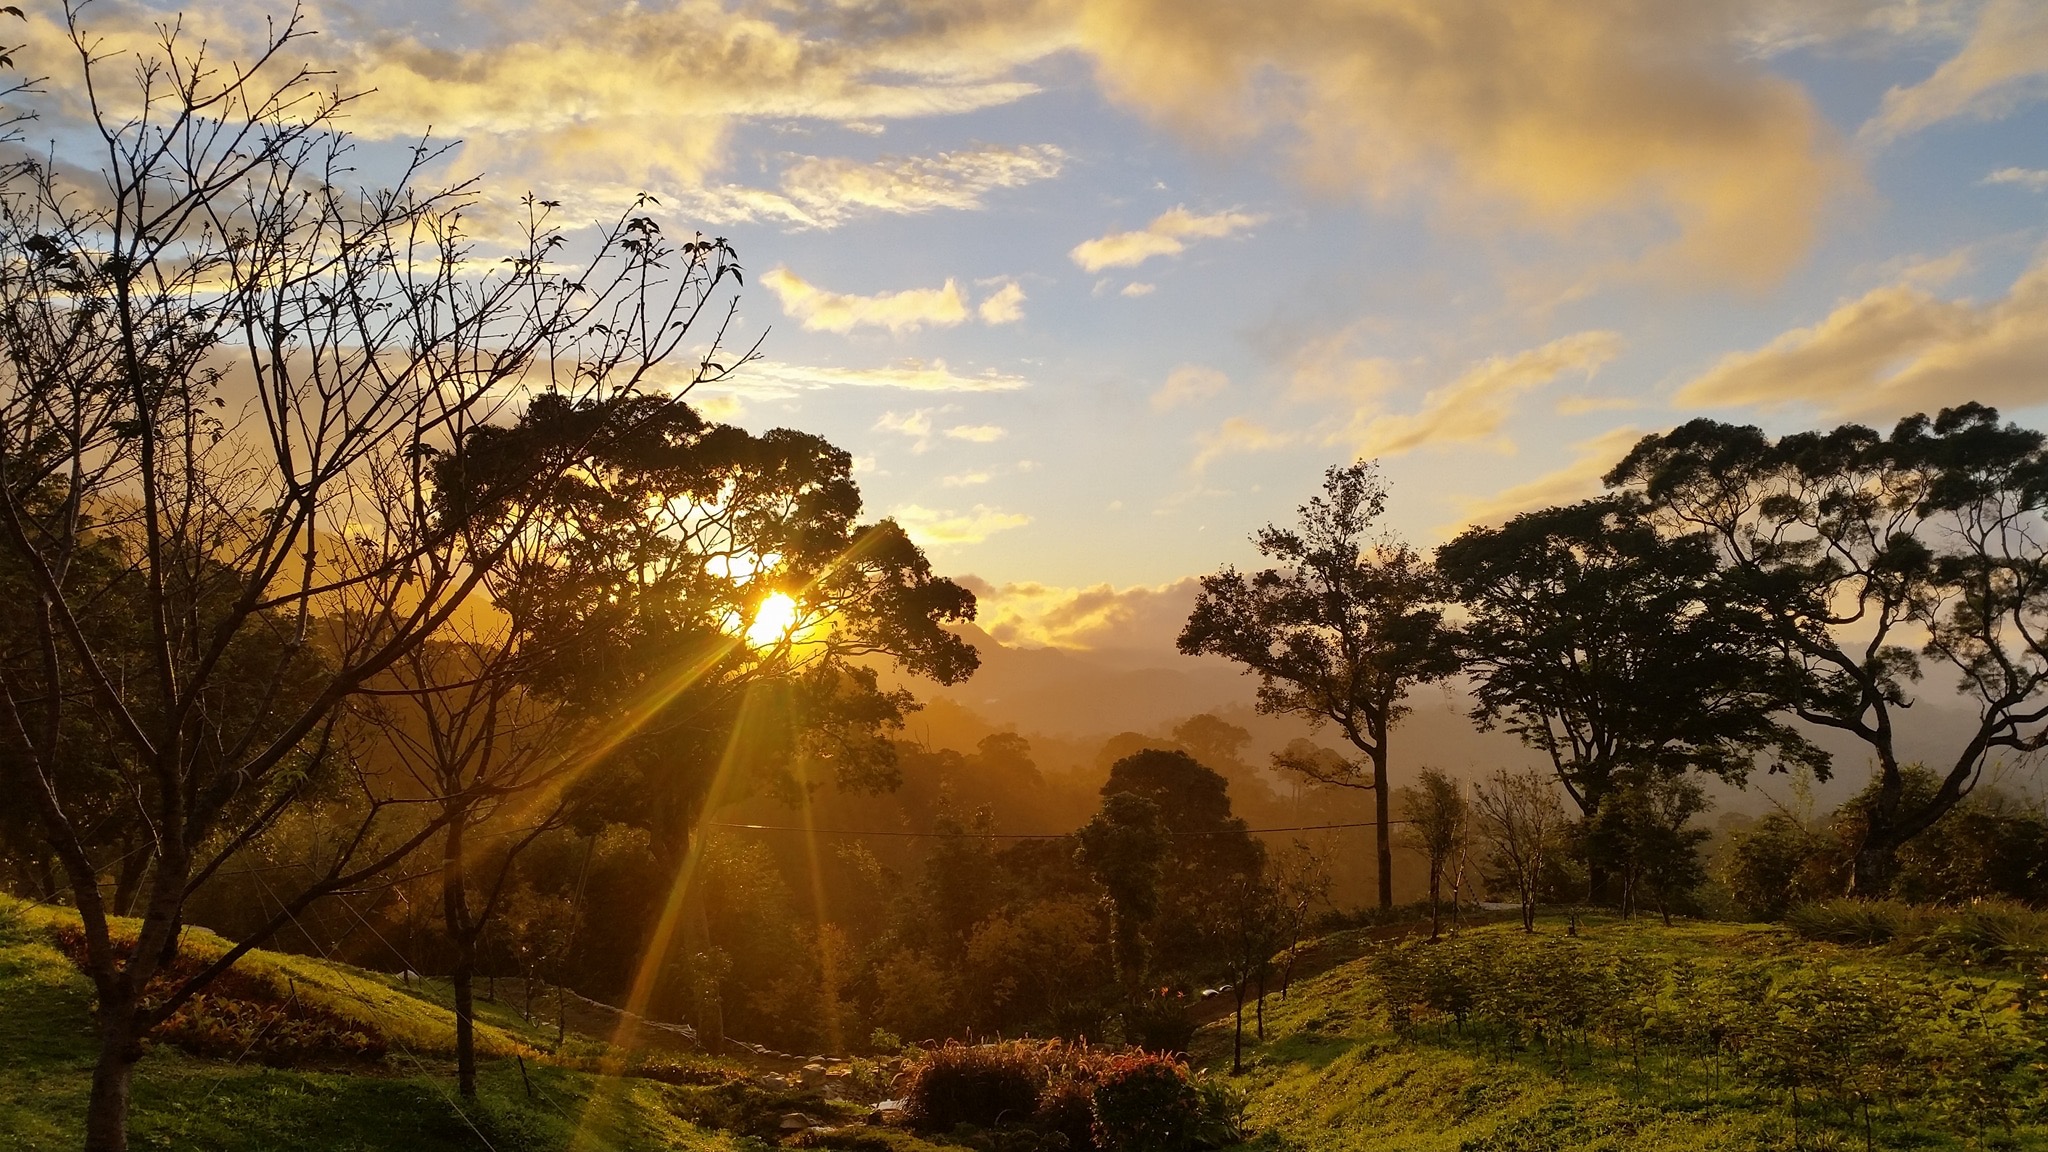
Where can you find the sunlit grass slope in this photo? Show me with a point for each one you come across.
(405, 1101)
(1333, 1074)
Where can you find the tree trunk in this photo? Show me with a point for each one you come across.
(1237, 1041)
(465, 1022)
(106, 1115)
(1436, 885)
(455, 913)
(1876, 862)
(1260, 1009)
(1383, 841)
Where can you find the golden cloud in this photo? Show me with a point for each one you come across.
(1652, 112)
(825, 192)
(908, 375)
(977, 433)
(1896, 349)
(1476, 405)
(1576, 481)
(1188, 384)
(916, 425)
(899, 312)
(1100, 616)
(2004, 62)
(1236, 436)
(1166, 235)
(1559, 110)
(1005, 306)
(940, 529)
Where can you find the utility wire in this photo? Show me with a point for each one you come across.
(1024, 835)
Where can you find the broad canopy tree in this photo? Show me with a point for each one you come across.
(1337, 631)
(1616, 650)
(708, 601)
(1868, 559)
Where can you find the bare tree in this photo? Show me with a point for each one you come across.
(234, 405)
(484, 753)
(1520, 816)
(1249, 934)
(1435, 809)
(1301, 885)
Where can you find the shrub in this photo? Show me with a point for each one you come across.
(981, 1084)
(1780, 862)
(1144, 1102)
(1223, 1111)
(1066, 1108)
(1160, 1022)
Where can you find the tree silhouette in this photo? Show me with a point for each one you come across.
(671, 544)
(1122, 846)
(1614, 648)
(256, 390)
(1850, 546)
(1337, 632)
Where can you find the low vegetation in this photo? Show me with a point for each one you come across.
(1631, 1035)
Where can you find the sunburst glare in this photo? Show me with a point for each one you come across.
(773, 621)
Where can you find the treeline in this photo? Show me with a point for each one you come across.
(1732, 596)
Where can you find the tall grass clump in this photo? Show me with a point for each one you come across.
(1860, 922)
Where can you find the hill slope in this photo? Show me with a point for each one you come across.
(404, 1098)
(1637, 1037)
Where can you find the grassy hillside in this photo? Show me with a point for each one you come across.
(1626, 1036)
(402, 1099)
(1372, 1054)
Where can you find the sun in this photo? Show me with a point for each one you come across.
(773, 621)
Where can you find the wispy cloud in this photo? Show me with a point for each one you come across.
(1167, 235)
(977, 433)
(1474, 407)
(2003, 64)
(1237, 436)
(1577, 480)
(825, 192)
(908, 375)
(1188, 384)
(942, 528)
(906, 311)
(917, 425)
(1543, 114)
(1896, 349)
(2034, 179)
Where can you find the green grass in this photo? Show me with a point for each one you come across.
(406, 1102)
(1332, 1074)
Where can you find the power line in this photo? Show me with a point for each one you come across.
(1023, 835)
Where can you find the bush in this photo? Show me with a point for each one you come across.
(1779, 862)
(1223, 1111)
(1066, 1108)
(1160, 1022)
(1144, 1102)
(985, 1085)
(1072, 1097)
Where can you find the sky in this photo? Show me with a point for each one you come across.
(1092, 289)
